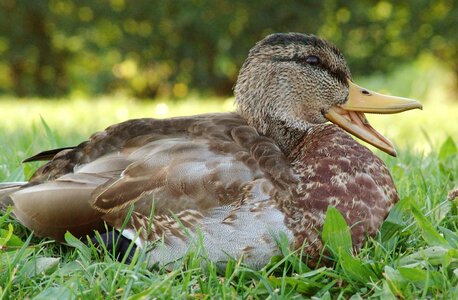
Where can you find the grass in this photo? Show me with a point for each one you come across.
(413, 256)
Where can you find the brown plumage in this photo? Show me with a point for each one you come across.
(237, 179)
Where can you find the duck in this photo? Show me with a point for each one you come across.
(235, 182)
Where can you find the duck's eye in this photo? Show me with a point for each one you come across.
(312, 60)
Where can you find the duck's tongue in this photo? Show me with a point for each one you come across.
(350, 116)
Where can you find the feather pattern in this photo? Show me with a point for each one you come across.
(233, 182)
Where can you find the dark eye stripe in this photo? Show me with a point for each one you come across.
(297, 59)
(340, 75)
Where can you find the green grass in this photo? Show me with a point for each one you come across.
(413, 256)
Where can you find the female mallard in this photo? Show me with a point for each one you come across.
(235, 180)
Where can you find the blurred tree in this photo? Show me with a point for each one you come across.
(35, 66)
(167, 48)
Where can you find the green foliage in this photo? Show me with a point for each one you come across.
(448, 149)
(337, 237)
(336, 234)
(395, 222)
(146, 48)
(429, 234)
(8, 240)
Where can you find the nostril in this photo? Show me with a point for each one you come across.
(365, 92)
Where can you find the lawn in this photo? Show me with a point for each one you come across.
(413, 256)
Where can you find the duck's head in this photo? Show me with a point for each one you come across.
(295, 80)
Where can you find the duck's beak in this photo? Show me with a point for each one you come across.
(350, 116)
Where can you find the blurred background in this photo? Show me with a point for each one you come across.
(150, 49)
(79, 66)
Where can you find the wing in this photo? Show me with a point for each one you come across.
(176, 165)
(211, 164)
(46, 155)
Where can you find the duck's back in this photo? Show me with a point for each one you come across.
(192, 164)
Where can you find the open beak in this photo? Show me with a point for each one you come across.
(350, 116)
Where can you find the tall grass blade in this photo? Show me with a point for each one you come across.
(336, 234)
(395, 223)
(447, 149)
(429, 234)
(50, 135)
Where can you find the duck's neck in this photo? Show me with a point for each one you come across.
(287, 138)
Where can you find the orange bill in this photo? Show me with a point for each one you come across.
(350, 116)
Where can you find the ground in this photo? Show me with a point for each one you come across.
(413, 256)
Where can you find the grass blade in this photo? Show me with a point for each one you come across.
(336, 234)
(83, 249)
(394, 223)
(447, 149)
(429, 234)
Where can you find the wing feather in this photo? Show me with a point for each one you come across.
(183, 164)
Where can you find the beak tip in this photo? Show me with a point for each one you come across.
(417, 104)
(390, 149)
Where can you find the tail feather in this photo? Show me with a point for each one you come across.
(5, 185)
(52, 208)
(6, 189)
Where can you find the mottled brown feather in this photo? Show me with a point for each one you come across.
(336, 170)
(240, 179)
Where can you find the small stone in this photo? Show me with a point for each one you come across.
(453, 194)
